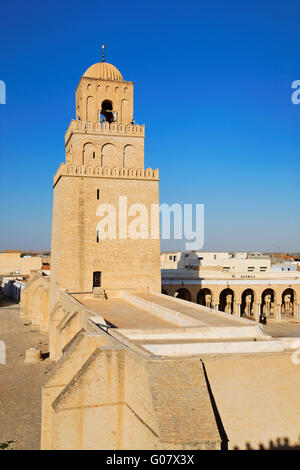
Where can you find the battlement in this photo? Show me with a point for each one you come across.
(106, 172)
(105, 128)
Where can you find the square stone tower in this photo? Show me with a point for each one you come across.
(104, 166)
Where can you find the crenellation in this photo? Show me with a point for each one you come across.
(106, 172)
(88, 127)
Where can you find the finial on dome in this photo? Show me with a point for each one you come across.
(103, 50)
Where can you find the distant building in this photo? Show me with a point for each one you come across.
(215, 261)
(13, 262)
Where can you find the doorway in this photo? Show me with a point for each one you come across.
(97, 279)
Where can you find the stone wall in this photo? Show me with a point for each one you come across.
(257, 397)
(76, 254)
(13, 262)
(35, 301)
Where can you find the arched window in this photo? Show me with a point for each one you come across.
(129, 156)
(107, 113)
(88, 153)
(124, 112)
(89, 108)
(109, 156)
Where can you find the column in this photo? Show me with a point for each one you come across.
(238, 309)
(257, 311)
(216, 306)
(278, 312)
(295, 311)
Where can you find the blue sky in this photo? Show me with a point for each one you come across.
(212, 84)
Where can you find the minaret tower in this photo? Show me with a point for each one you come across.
(104, 165)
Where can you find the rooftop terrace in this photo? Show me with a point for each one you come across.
(166, 326)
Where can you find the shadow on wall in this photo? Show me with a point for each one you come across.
(223, 435)
(188, 260)
(280, 444)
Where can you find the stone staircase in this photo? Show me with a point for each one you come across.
(99, 293)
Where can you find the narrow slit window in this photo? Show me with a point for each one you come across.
(98, 236)
(94, 155)
(98, 194)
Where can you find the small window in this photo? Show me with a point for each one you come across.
(98, 236)
(98, 194)
(250, 268)
(93, 154)
(174, 258)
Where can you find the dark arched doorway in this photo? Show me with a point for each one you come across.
(204, 297)
(226, 300)
(247, 306)
(183, 294)
(267, 303)
(287, 303)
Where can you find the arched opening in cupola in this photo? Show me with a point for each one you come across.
(107, 113)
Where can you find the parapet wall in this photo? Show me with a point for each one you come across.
(105, 128)
(106, 172)
(68, 318)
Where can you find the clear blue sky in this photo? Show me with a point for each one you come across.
(212, 84)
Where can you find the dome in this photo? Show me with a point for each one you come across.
(103, 70)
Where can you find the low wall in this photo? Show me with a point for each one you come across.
(230, 347)
(67, 319)
(240, 321)
(166, 314)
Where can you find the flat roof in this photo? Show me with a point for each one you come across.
(122, 314)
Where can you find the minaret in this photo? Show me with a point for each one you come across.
(104, 165)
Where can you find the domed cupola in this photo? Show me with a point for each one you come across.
(104, 71)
